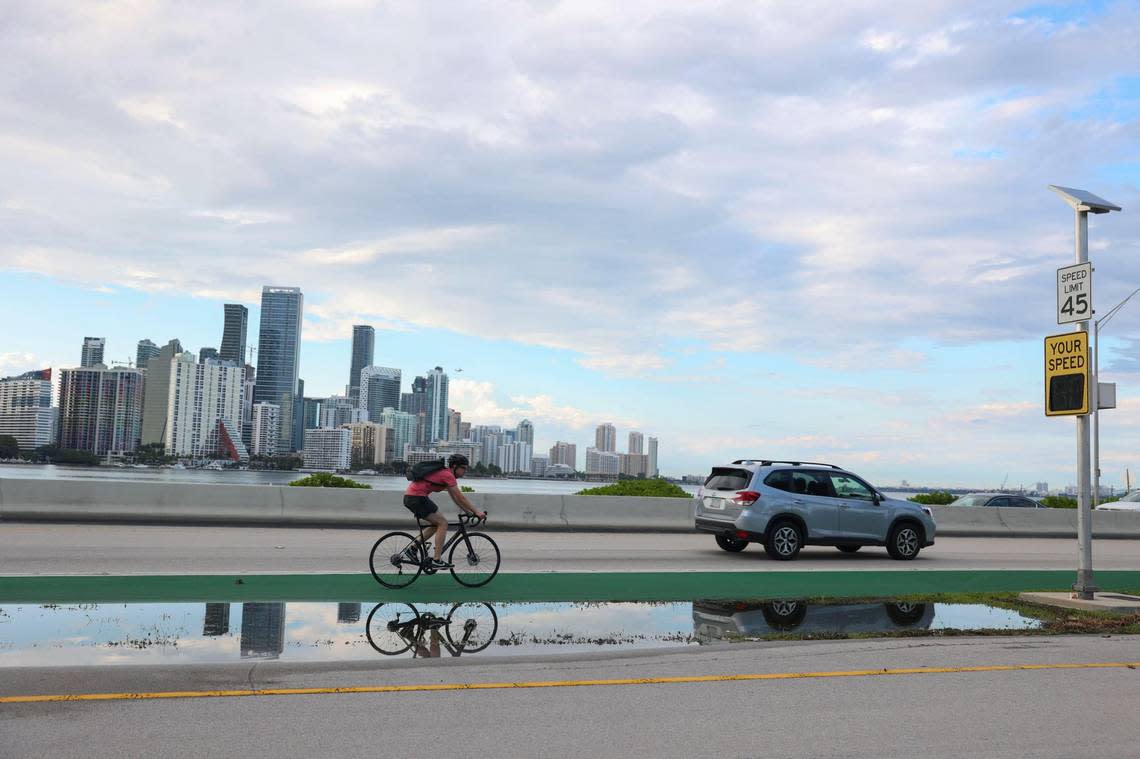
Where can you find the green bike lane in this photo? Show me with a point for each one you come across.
(546, 586)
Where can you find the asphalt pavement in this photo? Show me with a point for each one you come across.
(93, 549)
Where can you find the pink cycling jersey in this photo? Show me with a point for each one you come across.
(436, 482)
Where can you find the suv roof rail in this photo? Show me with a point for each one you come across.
(769, 462)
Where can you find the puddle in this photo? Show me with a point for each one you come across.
(175, 633)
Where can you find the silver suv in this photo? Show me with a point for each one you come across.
(786, 505)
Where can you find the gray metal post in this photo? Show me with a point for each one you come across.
(1084, 587)
(1095, 387)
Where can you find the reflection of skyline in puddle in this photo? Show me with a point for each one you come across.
(168, 633)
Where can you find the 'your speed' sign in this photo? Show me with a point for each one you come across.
(1074, 293)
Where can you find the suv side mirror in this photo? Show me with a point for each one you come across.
(876, 497)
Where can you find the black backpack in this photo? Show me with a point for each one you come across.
(424, 468)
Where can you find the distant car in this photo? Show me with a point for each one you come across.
(998, 500)
(1130, 502)
(785, 505)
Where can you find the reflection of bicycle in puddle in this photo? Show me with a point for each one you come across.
(393, 628)
(713, 620)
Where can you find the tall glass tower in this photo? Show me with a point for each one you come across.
(436, 405)
(279, 355)
(363, 344)
(233, 334)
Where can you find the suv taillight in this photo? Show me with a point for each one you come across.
(746, 497)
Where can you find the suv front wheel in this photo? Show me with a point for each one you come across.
(904, 542)
(784, 540)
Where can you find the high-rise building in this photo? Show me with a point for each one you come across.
(233, 333)
(415, 401)
(564, 453)
(217, 620)
(312, 414)
(363, 346)
(538, 466)
(369, 443)
(403, 432)
(436, 405)
(266, 432)
(144, 353)
(379, 389)
(205, 354)
(337, 411)
(653, 470)
(454, 421)
(299, 416)
(464, 430)
(514, 457)
(327, 449)
(262, 630)
(636, 442)
(92, 351)
(633, 464)
(602, 462)
(199, 396)
(279, 355)
(100, 410)
(605, 437)
(26, 412)
(156, 403)
(525, 432)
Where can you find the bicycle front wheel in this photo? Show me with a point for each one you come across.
(471, 626)
(390, 627)
(474, 560)
(392, 562)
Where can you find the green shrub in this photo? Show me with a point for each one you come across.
(466, 489)
(645, 488)
(937, 498)
(1059, 502)
(326, 480)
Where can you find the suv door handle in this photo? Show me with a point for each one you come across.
(844, 505)
(797, 500)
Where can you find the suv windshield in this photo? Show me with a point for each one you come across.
(727, 478)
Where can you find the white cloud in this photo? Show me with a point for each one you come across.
(480, 404)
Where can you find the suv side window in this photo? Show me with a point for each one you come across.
(999, 502)
(1024, 503)
(810, 483)
(847, 486)
(781, 479)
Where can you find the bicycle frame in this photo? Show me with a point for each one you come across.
(459, 533)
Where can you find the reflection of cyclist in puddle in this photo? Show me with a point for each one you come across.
(430, 651)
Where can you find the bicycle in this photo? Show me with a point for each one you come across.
(393, 628)
(397, 558)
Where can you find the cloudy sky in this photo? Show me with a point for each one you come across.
(796, 230)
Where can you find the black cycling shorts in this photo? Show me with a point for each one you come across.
(420, 505)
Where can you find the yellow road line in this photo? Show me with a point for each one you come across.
(556, 683)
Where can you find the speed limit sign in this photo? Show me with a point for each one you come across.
(1074, 293)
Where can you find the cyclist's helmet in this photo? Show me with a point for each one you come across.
(456, 460)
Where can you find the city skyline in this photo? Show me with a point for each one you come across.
(869, 288)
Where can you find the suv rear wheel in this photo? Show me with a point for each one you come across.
(731, 543)
(904, 542)
(785, 539)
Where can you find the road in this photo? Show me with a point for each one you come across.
(145, 549)
(843, 711)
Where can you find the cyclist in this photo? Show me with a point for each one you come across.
(416, 501)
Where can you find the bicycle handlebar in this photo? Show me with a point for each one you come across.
(472, 519)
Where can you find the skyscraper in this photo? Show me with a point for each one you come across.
(156, 405)
(233, 333)
(436, 405)
(199, 396)
(379, 389)
(92, 351)
(605, 437)
(403, 432)
(279, 355)
(363, 345)
(525, 432)
(636, 442)
(145, 352)
(564, 453)
(26, 412)
(100, 410)
(208, 353)
(653, 470)
(266, 429)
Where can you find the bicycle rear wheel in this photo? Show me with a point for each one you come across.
(390, 563)
(385, 624)
(474, 560)
(471, 626)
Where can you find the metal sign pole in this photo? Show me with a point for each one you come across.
(1084, 587)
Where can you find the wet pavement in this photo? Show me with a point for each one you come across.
(107, 634)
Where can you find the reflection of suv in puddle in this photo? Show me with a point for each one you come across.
(785, 505)
(717, 620)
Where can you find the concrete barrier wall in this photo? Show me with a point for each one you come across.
(111, 501)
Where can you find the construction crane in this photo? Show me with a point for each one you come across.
(1005, 480)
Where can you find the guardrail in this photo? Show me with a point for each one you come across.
(181, 503)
